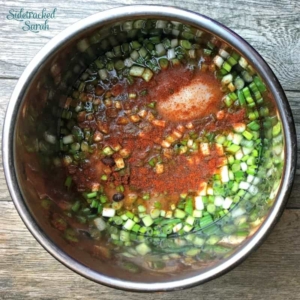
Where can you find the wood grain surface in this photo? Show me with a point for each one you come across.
(272, 27)
(27, 271)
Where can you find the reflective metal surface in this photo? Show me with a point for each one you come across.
(60, 50)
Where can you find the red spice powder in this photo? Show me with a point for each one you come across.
(236, 117)
(163, 84)
(226, 123)
(182, 175)
(170, 82)
(117, 89)
(145, 140)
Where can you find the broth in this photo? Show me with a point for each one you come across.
(161, 147)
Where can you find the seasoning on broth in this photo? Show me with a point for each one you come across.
(161, 137)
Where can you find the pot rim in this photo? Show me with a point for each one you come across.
(177, 14)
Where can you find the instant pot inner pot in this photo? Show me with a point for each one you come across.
(116, 252)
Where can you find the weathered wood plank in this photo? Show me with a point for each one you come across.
(272, 27)
(6, 88)
(294, 102)
(27, 271)
(294, 200)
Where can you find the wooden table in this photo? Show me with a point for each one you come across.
(27, 271)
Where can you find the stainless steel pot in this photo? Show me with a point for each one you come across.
(47, 81)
